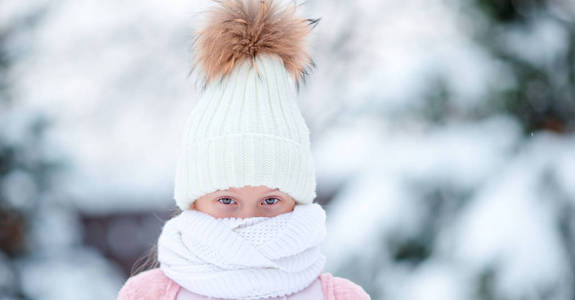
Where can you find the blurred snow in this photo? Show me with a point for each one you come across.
(510, 222)
(434, 280)
(540, 43)
(120, 72)
(381, 56)
(55, 230)
(60, 267)
(8, 278)
(113, 77)
(19, 190)
(74, 275)
(465, 155)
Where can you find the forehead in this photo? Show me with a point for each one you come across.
(252, 189)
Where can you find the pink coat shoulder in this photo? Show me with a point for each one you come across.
(149, 285)
(337, 288)
(154, 285)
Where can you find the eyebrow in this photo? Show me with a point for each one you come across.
(272, 192)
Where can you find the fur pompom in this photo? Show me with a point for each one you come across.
(238, 30)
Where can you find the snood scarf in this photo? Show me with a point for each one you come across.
(249, 258)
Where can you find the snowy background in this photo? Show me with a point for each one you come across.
(443, 133)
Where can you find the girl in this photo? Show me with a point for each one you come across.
(245, 181)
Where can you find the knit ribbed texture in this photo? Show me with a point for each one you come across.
(248, 258)
(246, 130)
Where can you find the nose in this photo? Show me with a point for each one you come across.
(249, 212)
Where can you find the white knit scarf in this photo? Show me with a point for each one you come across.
(250, 258)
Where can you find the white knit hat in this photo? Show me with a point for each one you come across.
(246, 128)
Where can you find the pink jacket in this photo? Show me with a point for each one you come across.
(154, 285)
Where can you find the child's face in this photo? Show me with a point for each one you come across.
(245, 202)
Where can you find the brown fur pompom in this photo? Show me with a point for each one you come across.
(238, 30)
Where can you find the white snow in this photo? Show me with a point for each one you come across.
(76, 274)
(434, 280)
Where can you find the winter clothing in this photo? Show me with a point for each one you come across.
(154, 285)
(247, 258)
(246, 128)
(312, 292)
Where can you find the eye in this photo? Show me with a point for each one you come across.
(271, 201)
(226, 200)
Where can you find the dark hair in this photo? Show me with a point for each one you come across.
(150, 259)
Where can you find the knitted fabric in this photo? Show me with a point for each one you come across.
(250, 258)
(246, 129)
